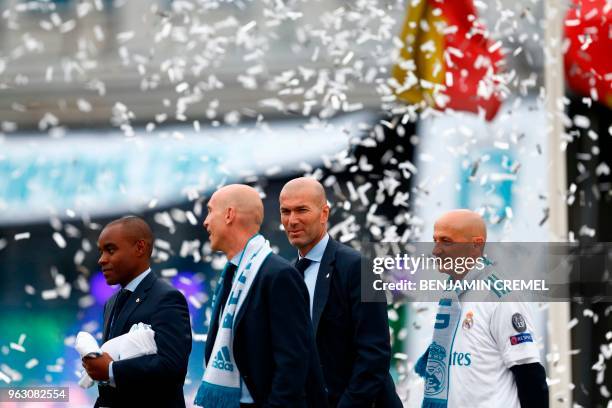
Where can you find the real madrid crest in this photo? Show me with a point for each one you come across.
(435, 377)
(468, 322)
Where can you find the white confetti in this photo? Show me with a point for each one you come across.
(86, 301)
(49, 294)
(501, 145)
(603, 169)
(582, 121)
(191, 218)
(125, 36)
(5, 378)
(59, 240)
(195, 302)
(17, 347)
(55, 368)
(83, 105)
(22, 235)
(31, 363)
(168, 273)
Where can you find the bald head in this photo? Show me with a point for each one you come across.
(463, 225)
(459, 234)
(307, 186)
(245, 202)
(235, 214)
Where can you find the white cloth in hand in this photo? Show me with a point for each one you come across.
(86, 345)
(139, 341)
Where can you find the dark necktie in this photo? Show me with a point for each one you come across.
(302, 264)
(227, 285)
(122, 298)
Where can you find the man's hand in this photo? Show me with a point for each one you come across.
(97, 367)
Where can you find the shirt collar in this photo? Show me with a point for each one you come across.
(476, 273)
(136, 281)
(317, 251)
(236, 259)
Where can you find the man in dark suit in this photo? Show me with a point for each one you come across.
(125, 247)
(352, 336)
(272, 342)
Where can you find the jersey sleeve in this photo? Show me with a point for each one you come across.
(513, 329)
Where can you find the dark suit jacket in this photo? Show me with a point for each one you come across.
(273, 342)
(352, 336)
(153, 380)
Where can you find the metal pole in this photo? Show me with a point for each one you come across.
(559, 345)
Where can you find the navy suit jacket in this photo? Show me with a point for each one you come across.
(274, 345)
(352, 336)
(157, 379)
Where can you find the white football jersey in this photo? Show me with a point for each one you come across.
(490, 337)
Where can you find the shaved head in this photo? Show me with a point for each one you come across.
(135, 228)
(235, 214)
(465, 223)
(245, 201)
(309, 186)
(459, 234)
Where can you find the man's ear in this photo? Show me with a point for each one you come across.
(141, 247)
(230, 215)
(325, 213)
(478, 243)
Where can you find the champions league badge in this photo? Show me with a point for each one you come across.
(436, 370)
(518, 322)
(468, 322)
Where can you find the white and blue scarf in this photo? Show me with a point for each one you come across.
(221, 384)
(434, 364)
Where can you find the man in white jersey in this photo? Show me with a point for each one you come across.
(483, 353)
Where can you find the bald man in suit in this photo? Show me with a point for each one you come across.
(352, 336)
(271, 343)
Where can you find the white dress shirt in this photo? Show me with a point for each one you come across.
(312, 272)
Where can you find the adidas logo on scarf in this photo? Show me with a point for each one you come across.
(223, 360)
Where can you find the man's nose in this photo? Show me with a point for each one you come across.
(293, 219)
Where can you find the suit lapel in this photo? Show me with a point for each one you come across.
(135, 300)
(324, 277)
(213, 325)
(107, 312)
